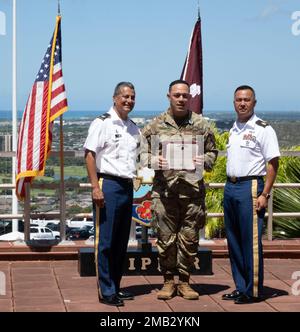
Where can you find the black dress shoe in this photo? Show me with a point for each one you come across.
(125, 295)
(112, 300)
(246, 299)
(231, 296)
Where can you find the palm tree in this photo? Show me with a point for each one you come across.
(287, 200)
(214, 197)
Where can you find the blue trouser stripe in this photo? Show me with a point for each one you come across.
(238, 216)
(115, 222)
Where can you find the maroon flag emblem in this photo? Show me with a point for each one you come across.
(192, 71)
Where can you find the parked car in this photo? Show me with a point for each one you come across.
(82, 233)
(80, 222)
(43, 222)
(56, 227)
(5, 226)
(45, 233)
(36, 233)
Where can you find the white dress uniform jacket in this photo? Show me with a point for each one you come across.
(250, 148)
(115, 143)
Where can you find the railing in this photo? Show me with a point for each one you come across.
(79, 154)
(270, 214)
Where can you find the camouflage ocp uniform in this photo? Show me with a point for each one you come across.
(178, 196)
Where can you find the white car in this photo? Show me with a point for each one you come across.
(41, 232)
(43, 222)
(80, 222)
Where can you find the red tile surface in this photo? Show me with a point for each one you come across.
(56, 286)
(287, 307)
(6, 305)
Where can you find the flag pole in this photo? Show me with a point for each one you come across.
(14, 115)
(201, 61)
(202, 230)
(62, 183)
(62, 175)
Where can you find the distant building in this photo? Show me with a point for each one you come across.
(5, 143)
(139, 121)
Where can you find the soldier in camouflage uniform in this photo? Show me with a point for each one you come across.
(178, 195)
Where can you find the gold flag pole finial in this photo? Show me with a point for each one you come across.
(58, 7)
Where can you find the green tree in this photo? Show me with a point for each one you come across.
(287, 200)
(214, 197)
(49, 171)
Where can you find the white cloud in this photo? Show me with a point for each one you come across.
(272, 8)
(270, 11)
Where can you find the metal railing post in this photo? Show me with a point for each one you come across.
(132, 235)
(270, 217)
(202, 234)
(27, 212)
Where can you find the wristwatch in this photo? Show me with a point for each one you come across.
(267, 196)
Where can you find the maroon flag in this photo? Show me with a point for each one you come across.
(46, 102)
(192, 71)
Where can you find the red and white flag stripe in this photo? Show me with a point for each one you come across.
(58, 94)
(35, 134)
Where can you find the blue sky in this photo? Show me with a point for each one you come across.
(107, 41)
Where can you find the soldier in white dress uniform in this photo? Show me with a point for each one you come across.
(252, 154)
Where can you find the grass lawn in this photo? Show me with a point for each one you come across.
(45, 192)
(44, 178)
(6, 178)
(79, 171)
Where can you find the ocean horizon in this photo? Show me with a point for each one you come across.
(5, 115)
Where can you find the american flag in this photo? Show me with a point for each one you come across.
(192, 70)
(46, 102)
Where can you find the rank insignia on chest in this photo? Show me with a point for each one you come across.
(249, 137)
(118, 135)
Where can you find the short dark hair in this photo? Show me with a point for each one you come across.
(121, 85)
(245, 87)
(178, 82)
